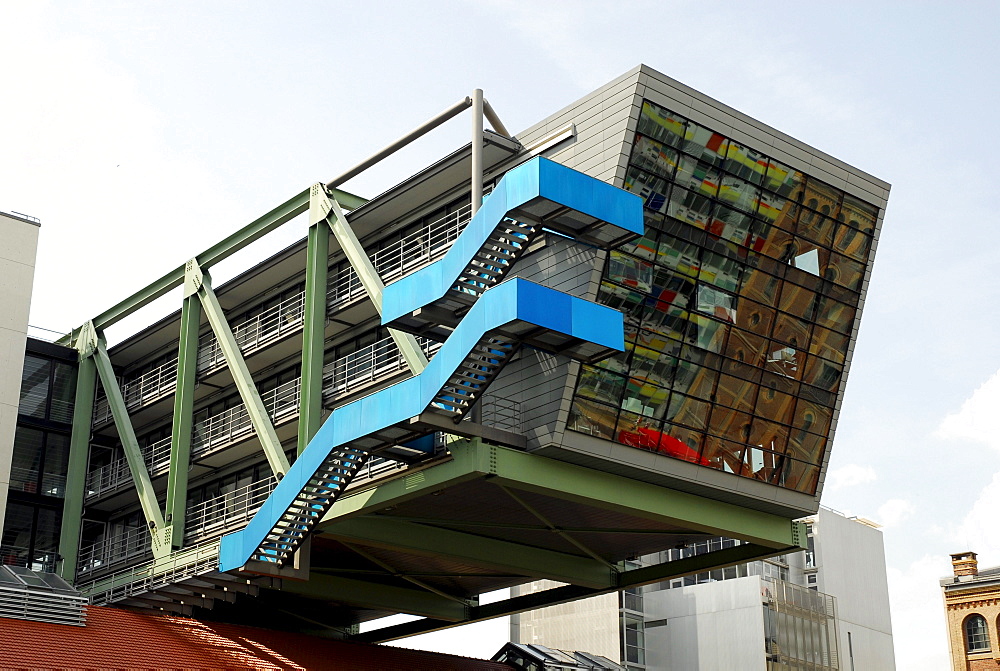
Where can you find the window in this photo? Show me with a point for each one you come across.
(977, 638)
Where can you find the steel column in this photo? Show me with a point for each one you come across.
(314, 320)
(476, 413)
(183, 421)
(238, 367)
(76, 471)
(477, 150)
(133, 454)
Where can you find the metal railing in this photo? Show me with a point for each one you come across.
(393, 261)
(151, 575)
(213, 517)
(133, 542)
(347, 375)
(16, 555)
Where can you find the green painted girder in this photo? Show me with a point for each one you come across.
(408, 346)
(133, 454)
(313, 328)
(198, 282)
(76, 471)
(564, 594)
(529, 472)
(183, 420)
(500, 555)
(217, 252)
(380, 596)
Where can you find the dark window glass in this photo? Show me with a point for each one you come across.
(977, 636)
(34, 387)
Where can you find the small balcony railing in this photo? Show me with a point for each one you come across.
(348, 375)
(279, 321)
(128, 545)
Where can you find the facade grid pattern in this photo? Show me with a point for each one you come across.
(739, 302)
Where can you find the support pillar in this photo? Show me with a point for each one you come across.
(76, 471)
(314, 320)
(183, 421)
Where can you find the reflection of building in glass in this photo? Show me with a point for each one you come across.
(825, 609)
(739, 338)
(972, 613)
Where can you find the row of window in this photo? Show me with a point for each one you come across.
(715, 151)
(739, 302)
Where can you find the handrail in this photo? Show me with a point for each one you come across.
(406, 255)
(346, 375)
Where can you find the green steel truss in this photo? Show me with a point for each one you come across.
(167, 526)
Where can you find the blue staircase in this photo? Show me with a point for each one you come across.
(490, 320)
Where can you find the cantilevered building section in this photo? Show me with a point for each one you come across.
(638, 341)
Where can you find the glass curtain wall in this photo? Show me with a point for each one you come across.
(40, 457)
(739, 304)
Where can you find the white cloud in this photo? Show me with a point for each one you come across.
(850, 475)
(894, 511)
(980, 530)
(918, 624)
(976, 420)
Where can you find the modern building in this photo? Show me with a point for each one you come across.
(826, 609)
(636, 340)
(972, 613)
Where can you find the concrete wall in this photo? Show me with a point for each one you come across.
(850, 558)
(17, 274)
(716, 625)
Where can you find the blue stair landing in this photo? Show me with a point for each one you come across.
(485, 320)
(537, 195)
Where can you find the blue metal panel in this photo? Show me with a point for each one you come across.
(509, 304)
(537, 179)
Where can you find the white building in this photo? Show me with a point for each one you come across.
(17, 275)
(825, 609)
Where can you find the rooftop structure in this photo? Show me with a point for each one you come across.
(637, 339)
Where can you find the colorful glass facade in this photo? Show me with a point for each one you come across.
(739, 301)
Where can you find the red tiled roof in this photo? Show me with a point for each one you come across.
(123, 639)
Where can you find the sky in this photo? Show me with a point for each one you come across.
(142, 133)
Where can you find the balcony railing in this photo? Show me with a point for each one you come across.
(279, 321)
(16, 555)
(347, 375)
(213, 517)
(131, 543)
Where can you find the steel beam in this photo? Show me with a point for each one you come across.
(481, 551)
(370, 280)
(201, 283)
(183, 420)
(224, 249)
(76, 471)
(567, 593)
(427, 127)
(314, 319)
(368, 594)
(133, 454)
(473, 459)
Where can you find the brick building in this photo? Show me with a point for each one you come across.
(972, 611)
